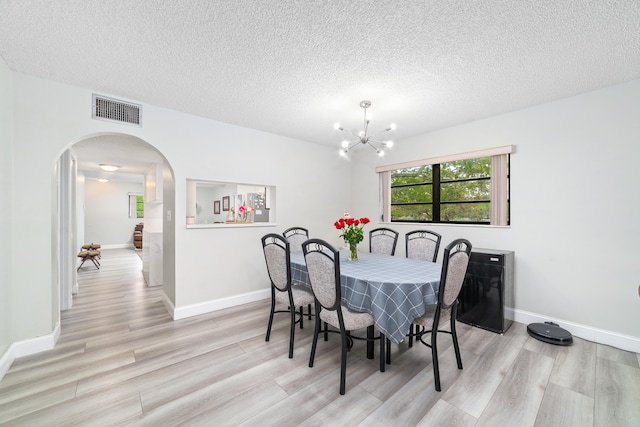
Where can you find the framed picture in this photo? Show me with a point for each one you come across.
(225, 203)
(216, 206)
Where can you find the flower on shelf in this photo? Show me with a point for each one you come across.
(352, 231)
(244, 212)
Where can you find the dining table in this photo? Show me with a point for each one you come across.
(394, 290)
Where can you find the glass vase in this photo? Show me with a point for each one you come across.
(353, 251)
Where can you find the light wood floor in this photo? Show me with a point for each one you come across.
(121, 360)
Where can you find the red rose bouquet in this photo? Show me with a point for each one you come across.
(352, 231)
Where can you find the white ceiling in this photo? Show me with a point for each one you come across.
(295, 67)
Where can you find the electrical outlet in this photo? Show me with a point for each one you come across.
(168, 215)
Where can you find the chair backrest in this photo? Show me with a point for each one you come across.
(383, 241)
(422, 244)
(454, 269)
(278, 259)
(296, 236)
(323, 266)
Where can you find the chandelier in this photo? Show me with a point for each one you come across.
(363, 138)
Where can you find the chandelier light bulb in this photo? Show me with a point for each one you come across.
(337, 126)
(380, 153)
(392, 126)
(389, 143)
(345, 143)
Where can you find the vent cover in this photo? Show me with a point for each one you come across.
(114, 110)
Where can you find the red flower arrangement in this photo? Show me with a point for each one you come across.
(351, 228)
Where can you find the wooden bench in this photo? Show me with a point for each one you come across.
(90, 252)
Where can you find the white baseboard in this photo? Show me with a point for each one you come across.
(6, 360)
(27, 347)
(168, 305)
(219, 304)
(589, 333)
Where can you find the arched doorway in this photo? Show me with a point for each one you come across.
(140, 164)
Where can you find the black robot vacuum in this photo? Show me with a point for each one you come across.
(550, 332)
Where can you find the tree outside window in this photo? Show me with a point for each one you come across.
(139, 206)
(136, 206)
(452, 192)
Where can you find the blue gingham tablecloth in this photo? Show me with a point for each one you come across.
(394, 290)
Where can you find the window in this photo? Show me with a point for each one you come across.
(470, 188)
(204, 196)
(136, 206)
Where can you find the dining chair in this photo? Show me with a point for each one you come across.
(323, 267)
(454, 269)
(296, 236)
(383, 241)
(277, 254)
(422, 244)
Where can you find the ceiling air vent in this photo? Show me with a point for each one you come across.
(114, 110)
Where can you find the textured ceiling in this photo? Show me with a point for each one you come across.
(295, 67)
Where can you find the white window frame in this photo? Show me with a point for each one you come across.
(499, 179)
(133, 204)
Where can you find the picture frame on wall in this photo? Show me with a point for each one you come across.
(225, 203)
(216, 207)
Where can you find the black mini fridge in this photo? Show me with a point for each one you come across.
(488, 290)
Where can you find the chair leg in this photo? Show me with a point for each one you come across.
(326, 331)
(301, 316)
(343, 362)
(292, 330)
(454, 337)
(388, 351)
(273, 305)
(370, 336)
(434, 357)
(95, 262)
(411, 336)
(309, 311)
(316, 331)
(383, 355)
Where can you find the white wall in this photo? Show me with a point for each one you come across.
(205, 197)
(210, 264)
(574, 209)
(573, 214)
(6, 170)
(80, 202)
(204, 209)
(107, 212)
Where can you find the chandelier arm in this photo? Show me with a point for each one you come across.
(379, 134)
(374, 147)
(352, 144)
(350, 133)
